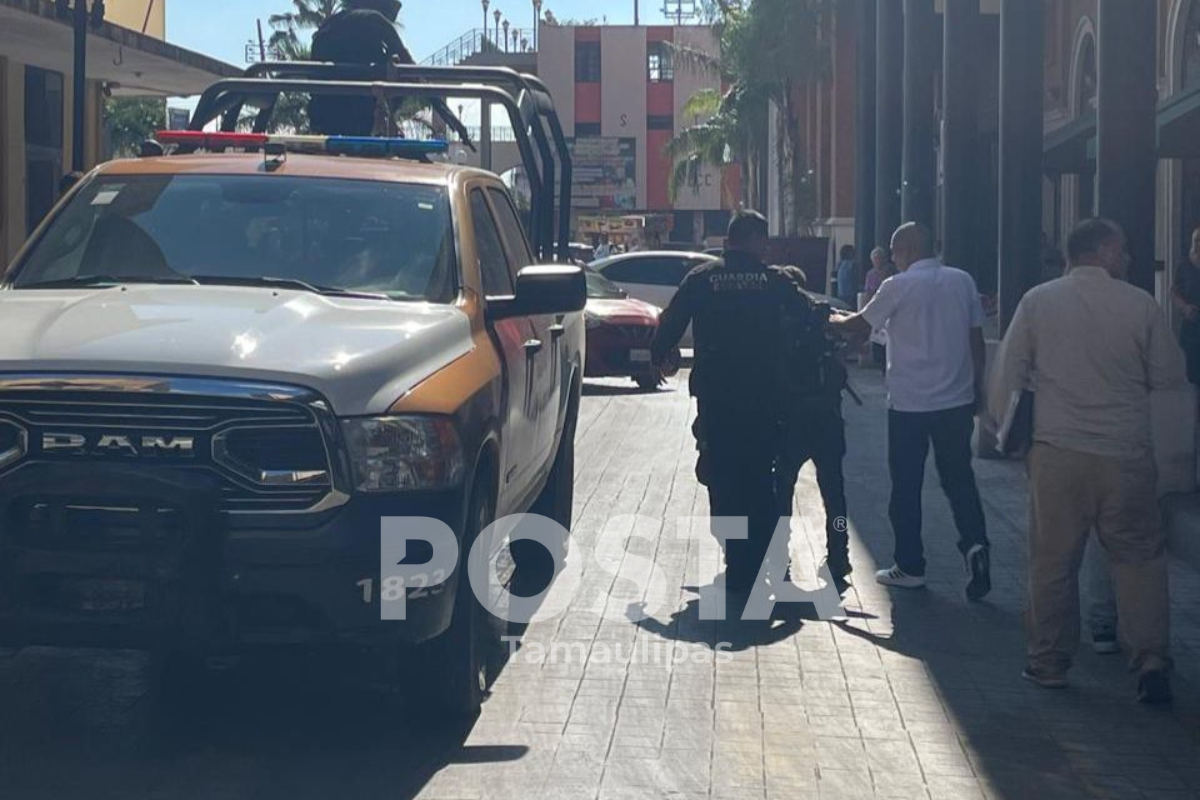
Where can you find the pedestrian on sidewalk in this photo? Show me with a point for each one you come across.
(1185, 292)
(815, 430)
(738, 307)
(881, 269)
(604, 249)
(934, 321)
(1091, 348)
(846, 277)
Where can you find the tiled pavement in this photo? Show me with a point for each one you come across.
(913, 696)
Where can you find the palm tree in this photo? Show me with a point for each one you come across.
(291, 111)
(766, 50)
(306, 15)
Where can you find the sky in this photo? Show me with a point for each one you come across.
(221, 28)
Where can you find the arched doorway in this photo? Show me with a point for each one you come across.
(1084, 92)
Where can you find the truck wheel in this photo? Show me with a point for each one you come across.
(452, 674)
(535, 566)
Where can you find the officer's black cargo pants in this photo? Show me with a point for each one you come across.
(738, 466)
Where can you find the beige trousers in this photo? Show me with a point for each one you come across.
(1071, 493)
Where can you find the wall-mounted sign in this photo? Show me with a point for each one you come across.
(605, 173)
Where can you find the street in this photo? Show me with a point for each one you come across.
(913, 696)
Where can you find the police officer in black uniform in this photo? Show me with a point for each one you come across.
(738, 308)
(364, 32)
(814, 430)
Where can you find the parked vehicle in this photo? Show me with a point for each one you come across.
(619, 332)
(222, 369)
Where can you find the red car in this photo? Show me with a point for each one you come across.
(619, 332)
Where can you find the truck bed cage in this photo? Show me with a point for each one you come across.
(539, 134)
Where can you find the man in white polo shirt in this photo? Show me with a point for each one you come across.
(934, 322)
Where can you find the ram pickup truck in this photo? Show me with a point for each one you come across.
(219, 371)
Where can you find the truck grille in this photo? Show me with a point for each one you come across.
(266, 445)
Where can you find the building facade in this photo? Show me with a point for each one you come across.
(621, 96)
(1071, 114)
(127, 55)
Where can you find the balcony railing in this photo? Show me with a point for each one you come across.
(472, 43)
(421, 130)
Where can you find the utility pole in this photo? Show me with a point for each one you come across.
(637, 12)
(79, 104)
(262, 43)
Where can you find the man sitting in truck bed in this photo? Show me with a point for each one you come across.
(363, 33)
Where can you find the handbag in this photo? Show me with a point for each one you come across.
(1015, 435)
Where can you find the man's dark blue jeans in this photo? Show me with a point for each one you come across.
(909, 438)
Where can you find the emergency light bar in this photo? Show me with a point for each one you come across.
(361, 146)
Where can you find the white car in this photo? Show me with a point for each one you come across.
(654, 277)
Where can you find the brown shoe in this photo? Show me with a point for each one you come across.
(1043, 678)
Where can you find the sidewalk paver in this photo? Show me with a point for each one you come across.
(916, 695)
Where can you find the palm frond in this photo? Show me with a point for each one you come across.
(704, 103)
(695, 59)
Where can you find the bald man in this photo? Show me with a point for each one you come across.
(934, 321)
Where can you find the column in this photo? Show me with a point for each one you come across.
(1126, 136)
(959, 132)
(919, 162)
(485, 135)
(1022, 77)
(864, 162)
(889, 119)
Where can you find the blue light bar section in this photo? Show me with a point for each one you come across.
(376, 147)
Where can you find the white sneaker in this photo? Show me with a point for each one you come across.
(898, 577)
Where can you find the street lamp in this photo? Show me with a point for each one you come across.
(516, 35)
(496, 16)
(485, 4)
(506, 36)
(537, 21)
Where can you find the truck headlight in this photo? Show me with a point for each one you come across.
(396, 454)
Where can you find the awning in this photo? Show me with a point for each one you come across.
(1179, 126)
(1071, 149)
(1066, 149)
(31, 33)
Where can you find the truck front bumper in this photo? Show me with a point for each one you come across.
(111, 556)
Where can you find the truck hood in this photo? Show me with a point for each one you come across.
(360, 354)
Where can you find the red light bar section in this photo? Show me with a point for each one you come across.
(211, 141)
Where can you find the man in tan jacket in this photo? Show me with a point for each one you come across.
(1092, 347)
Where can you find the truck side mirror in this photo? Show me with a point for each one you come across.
(543, 290)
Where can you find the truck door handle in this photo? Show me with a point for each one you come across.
(557, 331)
(533, 347)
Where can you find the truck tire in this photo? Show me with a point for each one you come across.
(535, 566)
(452, 670)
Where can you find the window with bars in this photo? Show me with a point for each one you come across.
(660, 63)
(587, 62)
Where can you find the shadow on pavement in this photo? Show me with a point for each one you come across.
(1027, 742)
(687, 624)
(99, 724)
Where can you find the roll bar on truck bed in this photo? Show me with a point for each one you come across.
(545, 154)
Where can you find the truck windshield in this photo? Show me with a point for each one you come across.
(320, 234)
